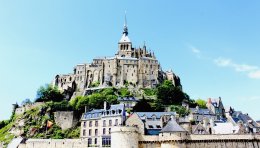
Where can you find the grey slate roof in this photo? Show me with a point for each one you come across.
(97, 113)
(122, 99)
(151, 114)
(201, 111)
(172, 126)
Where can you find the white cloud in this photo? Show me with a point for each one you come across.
(251, 70)
(223, 62)
(194, 49)
(244, 67)
(254, 74)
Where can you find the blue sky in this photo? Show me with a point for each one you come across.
(212, 45)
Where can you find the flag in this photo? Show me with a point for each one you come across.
(49, 124)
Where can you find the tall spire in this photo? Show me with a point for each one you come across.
(125, 26)
(124, 37)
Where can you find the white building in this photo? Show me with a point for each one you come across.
(96, 125)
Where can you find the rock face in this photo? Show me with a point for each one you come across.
(65, 119)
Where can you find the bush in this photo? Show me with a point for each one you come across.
(59, 106)
(72, 133)
(142, 106)
(201, 103)
(124, 92)
(95, 84)
(182, 111)
(48, 93)
(149, 92)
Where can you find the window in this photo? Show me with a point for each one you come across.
(96, 123)
(89, 142)
(158, 126)
(116, 123)
(110, 122)
(106, 142)
(109, 130)
(90, 123)
(95, 140)
(154, 118)
(104, 122)
(150, 126)
(96, 132)
(84, 124)
(89, 132)
(104, 131)
(84, 132)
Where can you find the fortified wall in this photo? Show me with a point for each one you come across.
(123, 137)
(128, 137)
(24, 108)
(65, 119)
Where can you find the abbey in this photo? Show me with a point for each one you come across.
(136, 66)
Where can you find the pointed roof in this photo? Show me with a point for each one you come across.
(172, 126)
(124, 37)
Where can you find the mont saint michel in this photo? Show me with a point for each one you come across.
(161, 75)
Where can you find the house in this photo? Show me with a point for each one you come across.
(199, 129)
(225, 128)
(96, 124)
(216, 106)
(251, 125)
(198, 114)
(149, 123)
(129, 102)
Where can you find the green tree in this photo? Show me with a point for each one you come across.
(112, 99)
(81, 103)
(108, 91)
(26, 101)
(124, 92)
(169, 94)
(96, 100)
(49, 93)
(142, 106)
(201, 103)
(74, 101)
(182, 111)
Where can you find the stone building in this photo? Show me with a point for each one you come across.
(129, 102)
(96, 125)
(149, 123)
(198, 114)
(136, 66)
(217, 107)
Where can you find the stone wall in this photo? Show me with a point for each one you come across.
(24, 108)
(129, 137)
(65, 119)
(54, 143)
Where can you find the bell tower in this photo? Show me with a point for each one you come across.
(124, 44)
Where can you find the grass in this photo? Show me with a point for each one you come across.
(5, 136)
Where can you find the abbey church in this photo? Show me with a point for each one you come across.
(136, 66)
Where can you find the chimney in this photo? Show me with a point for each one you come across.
(105, 105)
